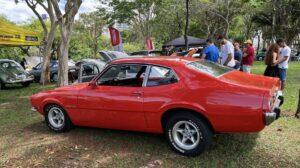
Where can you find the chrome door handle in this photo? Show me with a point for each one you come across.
(137, 93)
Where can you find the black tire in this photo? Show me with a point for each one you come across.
(25, 84)
(201, 126)
(2, 85)
(66, 124)
(54, 77)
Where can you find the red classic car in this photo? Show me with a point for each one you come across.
(186, 99)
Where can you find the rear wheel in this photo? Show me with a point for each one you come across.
(57, 119)
(25, 84)
(188, 134)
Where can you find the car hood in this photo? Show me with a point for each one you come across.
(251, 80)
(72, 87)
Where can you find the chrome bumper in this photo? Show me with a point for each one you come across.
(33, 109)
(20, 81)
(272, 116)
(275, 113)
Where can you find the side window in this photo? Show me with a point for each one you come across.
(123, 75)
(161, 76)
(90, 69)
(54, 65)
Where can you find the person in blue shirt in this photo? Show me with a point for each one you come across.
(211, 52)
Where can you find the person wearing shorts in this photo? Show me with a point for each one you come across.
(283, 61)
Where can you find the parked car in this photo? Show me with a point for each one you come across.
(108, 56)
(261, 55)
(88, 69)
(37, 71)
(186, 99)
(295, 56)
(147, 53)
(12, 72)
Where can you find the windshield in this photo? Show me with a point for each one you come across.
(210, 68)
(116, 54)
(10, 66)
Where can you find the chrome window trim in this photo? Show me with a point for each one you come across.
(153, 65)
(147, 73)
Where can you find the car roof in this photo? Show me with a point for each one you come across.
(157, 60)
(6, 60)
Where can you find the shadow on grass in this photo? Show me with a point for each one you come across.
(137, 142)
(97, 147)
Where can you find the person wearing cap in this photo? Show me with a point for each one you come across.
(211, 52)
(227, 52)
(248, 57)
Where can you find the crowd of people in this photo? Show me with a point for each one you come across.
(231, 55)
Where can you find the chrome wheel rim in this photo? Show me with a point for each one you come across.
(186, 135)
(56, 117)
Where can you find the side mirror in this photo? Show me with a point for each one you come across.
(93, 84)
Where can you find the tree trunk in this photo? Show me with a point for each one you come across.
(298, 109)
(63, 56)
(45, 76)
(258, 43)
(186, 25)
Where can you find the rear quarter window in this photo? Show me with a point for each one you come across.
(209, 68)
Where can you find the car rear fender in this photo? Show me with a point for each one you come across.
(186, 105)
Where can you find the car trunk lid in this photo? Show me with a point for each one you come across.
(251, 80)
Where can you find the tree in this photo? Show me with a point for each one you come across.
(280, 20)
(187, 18)
(65, 22)
(93, 22)
(48, 33)
(139, 14)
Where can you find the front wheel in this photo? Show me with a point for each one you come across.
(57, 119)
(188, 134)
(2, 85)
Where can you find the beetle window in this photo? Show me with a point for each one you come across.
(90, 69)
(161, 76)
(123, 75)
(210, 68)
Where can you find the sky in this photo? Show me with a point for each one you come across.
(20, 13)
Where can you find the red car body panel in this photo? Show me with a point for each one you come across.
(233, 102)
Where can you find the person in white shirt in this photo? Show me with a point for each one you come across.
(283, 61)
(227, 52)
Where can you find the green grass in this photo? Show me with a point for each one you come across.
(25, 141)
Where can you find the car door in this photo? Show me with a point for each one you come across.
(119, 96)
(162, 87)
(87, 72)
